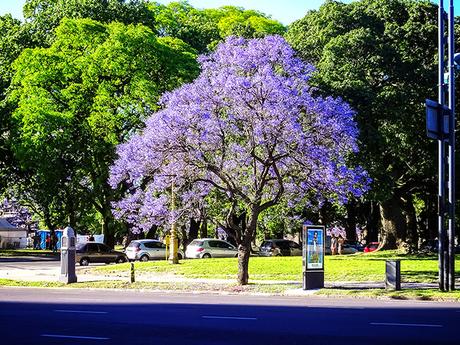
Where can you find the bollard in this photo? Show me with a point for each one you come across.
(132, 276)
(393, 275)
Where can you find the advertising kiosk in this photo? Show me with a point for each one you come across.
(314, 237)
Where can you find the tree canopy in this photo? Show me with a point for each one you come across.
(380, 57)
(204, 28)
(79, 98)
(248, 131)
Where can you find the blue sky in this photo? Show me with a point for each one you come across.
(286, 11)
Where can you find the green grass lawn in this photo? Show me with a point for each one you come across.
(361, 267)
(26, 252)
(286, 272)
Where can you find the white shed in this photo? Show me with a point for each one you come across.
(11, 236)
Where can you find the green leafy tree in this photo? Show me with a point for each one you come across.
(79, 98)
(43, 16)
(380, 56)
(13, 39)
(203, 29)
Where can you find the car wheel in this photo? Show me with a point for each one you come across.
(179, 256)
(120, 260)
(206, 256)
(84, 262)
(144, 258)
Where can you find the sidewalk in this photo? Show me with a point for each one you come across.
(84, 275)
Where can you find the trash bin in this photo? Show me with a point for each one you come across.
(393, 274)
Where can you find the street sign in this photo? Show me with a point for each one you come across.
(437, 120)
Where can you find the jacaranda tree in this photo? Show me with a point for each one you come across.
(246, 133)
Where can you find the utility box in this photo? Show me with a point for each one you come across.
(313, 256)
(393, 274)
(68, 256)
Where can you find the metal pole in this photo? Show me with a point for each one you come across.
(441, 153)
(451, 229)
(173, 238)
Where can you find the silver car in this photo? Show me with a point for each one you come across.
(145, 250)
(210, 248)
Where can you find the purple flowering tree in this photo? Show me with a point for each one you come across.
(245, 134)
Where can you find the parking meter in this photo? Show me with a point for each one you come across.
(68, 257)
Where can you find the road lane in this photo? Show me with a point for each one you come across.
(142, 317)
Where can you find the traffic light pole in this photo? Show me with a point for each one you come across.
(441, 150)
(446, 135)
(451, 186)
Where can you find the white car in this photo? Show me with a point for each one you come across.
(145, 250)
(210, 248)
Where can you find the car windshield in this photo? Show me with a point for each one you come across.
(80, 246)
(134, 244)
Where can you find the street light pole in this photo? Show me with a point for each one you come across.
(173, 236)
(445, 133)
(441, 151)
(451, 229)
(441, 126)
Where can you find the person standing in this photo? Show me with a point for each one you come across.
(48, 242)
(340, 242)
(54, 242)
(124, 242)
(333, 245)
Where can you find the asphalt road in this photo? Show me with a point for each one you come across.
(32, 263)
(72, 316)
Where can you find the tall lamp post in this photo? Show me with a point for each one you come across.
(173, 259)
(441, 126)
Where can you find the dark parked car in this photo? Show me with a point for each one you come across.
(280, 248)
(93, 252)
(355, 244)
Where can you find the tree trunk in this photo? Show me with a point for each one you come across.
(350, 228)
(107, 226)
(393, 231)
(244, 247)
(244, 252)
(192, 233)
(204, 228)
(411, 224)
(373, 223)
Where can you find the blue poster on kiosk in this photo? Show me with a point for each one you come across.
(315, 248)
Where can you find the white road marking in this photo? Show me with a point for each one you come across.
(79, 311)
(404, 324)
(228, 317)
(73, 337)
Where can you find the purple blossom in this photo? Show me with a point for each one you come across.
(248, 127)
